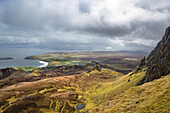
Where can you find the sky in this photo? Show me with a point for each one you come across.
(84, 24)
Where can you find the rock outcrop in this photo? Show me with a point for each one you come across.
(9, 76)
(158, 61)
(6, 72)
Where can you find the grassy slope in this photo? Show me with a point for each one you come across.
(57, 94)
(149, 97)
(28, 68)
(105, 91)
(93, 89)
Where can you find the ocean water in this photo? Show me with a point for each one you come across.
(19, 54)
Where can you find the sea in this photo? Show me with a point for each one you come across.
(19, 54)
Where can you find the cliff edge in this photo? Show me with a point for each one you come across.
(158, 61)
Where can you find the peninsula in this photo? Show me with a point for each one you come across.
(6, 58)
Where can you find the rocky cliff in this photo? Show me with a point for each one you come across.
(6, 72)
(158, 61)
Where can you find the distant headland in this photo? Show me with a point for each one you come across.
(6, 58)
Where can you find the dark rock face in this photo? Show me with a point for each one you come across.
(9, 76)
(158, 61)
(6, 72)
(96, 66)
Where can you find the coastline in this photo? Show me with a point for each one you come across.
(44, 64)
(6, 58)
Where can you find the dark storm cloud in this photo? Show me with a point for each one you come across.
(85, 22)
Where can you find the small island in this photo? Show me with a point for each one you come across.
(6, 58)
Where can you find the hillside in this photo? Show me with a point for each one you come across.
(54, 94)
(149, 97)
(90, 88)
(152, 97)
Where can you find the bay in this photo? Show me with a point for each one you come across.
(19, 54)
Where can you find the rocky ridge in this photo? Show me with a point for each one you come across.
(9, 76)
(158, 61)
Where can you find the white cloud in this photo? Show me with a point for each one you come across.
(96, 22)
(108, 48)
(117, 42)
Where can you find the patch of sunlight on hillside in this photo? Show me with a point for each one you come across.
(152, 97)
(105, 91)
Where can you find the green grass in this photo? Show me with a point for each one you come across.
(29, 68)
(152, 97)
(104, 91)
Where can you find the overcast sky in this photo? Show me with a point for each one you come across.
(85, 24)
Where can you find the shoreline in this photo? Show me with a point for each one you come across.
(44, 64)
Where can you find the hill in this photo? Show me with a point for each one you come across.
(131, 93)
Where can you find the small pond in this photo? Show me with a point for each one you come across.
(80, 106)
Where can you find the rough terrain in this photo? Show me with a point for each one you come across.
(90, 88)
